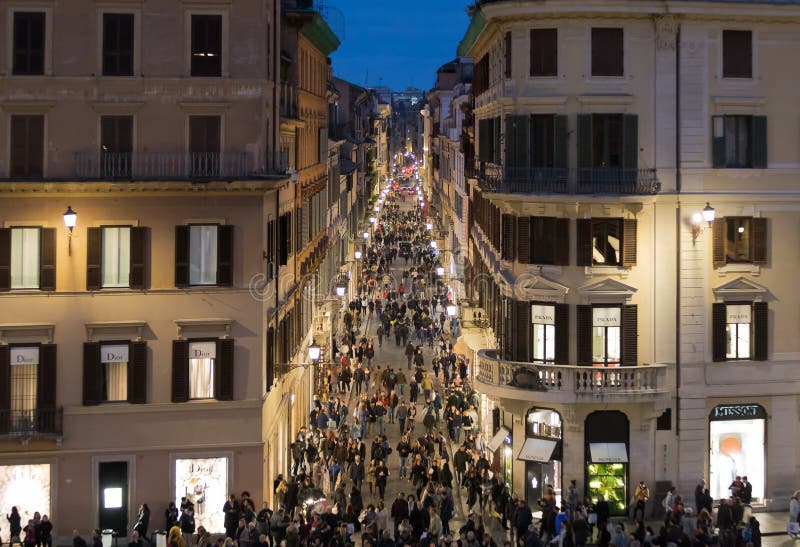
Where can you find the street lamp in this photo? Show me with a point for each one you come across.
(366, 235)
(709, 213)
(70, 219)
(429, 226)
(434, 245)
(440, 271)
(340, 290)
(313, 352)
(452, 310)
(357, 254)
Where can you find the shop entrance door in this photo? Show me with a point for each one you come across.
(113, 495)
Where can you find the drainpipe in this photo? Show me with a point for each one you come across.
(678, 231)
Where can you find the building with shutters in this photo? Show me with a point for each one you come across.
(144, 351)
(618, 335)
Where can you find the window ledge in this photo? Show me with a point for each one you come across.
(618, 271)
(106, 329)
(27, 332)
(220, 326)
(752, 269)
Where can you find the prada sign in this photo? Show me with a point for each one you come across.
(606, 317)
(543, 315)
(737, 313)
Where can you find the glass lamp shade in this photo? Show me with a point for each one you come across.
(340, 290)
(70, 218)
(451, 310)
(440, 271)
(357, 254)
(709, 213)
(313, 352)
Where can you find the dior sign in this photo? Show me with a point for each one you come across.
(25, 356)
(203, 350)
(116, 353)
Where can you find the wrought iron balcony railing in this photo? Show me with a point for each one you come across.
(161, 165)
(553, 180)
(46, 422)
(288, 100)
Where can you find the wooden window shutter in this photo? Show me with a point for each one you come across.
(718, 141)
(270, 358)
(719, 337)
(92, 374)
(583, 229)
(521, 331)
(583, 326)
(180, 371)
(760, 330)
(584, 140)
(509, 223)
(630, 141)
(94, 259)
(47, 259)
(223, 370)
(5, 388)
(181, 256)
(630, 336)
(560, 141)
(524, 240)
(225, 256)
(718, 242)
(629, 242)
(137, 373)
(46, 379)
(758, 141)
(5, 259)
(562, 334)
(758, 241)
(561, 239)
(139, 262)
(508, 50)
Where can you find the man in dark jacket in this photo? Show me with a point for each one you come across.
(419, 519)
(357, 471)
(522, 519)
(231, 510)
(399, 510)
(702, 499)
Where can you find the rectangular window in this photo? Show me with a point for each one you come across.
(24, 379)
(116, 256)
(543, 230)
(738, 232)
(543, 137)
(117, 44)
(203, 255)
(508, 45)
(29, 43)
(737, 54)
(206, 45)
(114, 360)
(606, 336)
(607, 140)
(606, 241)
(204, 145)
(544, 52)
(738, 321)
(25, 254)
(202, 356)
(543, 341)
(607, 52)
(27, 146)
(737, 141)
(116, 145)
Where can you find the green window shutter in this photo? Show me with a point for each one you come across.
(758, 241)
(630, 336)
(517, 144)
(484, 132)
(562, 334)
(584, 334)
(758, 145)
(718, 141)
(629, 242)
(630, 140)
(92, 374)
(584, 140)
(718, 242)
(47, 259)
(522, 320)
(560, 142)
(94, 258)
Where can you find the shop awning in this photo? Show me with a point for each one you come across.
(537, 450)
(498, 439)
(608, 452)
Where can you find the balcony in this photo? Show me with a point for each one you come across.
(288, 101)
(162, 165)
(569, 384)
(553, 180)
(35, 423)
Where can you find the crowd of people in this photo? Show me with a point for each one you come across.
(341, 463)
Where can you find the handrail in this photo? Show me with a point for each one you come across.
(32, 422)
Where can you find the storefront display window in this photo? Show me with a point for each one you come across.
(737, 434)
(608, 480)
(606, 435)
(204, 482)
(541, 452)
(27, 487)
(606, 336)
(737, 327)
(543, 332)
